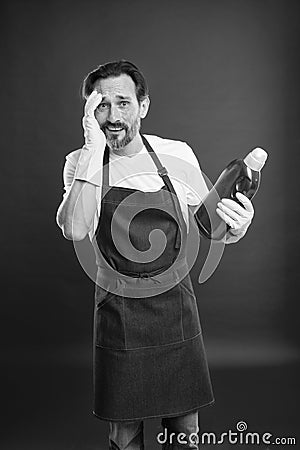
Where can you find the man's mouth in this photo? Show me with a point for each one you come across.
(114, 129)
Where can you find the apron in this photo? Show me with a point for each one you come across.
(148, 354)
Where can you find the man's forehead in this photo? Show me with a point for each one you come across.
(120, 86)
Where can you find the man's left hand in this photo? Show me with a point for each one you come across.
(237, 217)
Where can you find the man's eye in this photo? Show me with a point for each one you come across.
(102, 106)
(124, 104)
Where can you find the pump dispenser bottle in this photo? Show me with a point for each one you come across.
(239, 176)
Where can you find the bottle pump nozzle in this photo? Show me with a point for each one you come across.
(256, 159)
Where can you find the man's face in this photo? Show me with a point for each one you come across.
(119, 113)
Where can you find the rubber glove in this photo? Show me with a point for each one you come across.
(90, 162)
(236, 216)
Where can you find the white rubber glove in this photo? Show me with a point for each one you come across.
(237, 217)
(90, 162)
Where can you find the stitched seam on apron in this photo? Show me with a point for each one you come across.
(106, 300)
(114, 202)
(182, 332)
(192, 294)
(178, 413)
(124, 322)
(151, 346)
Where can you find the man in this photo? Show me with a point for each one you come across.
(132, 194)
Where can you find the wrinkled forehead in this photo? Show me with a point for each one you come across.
(112, 87)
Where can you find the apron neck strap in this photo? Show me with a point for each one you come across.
(163, 173)
(105, 180)
(161, 170)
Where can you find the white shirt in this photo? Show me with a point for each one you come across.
(139, 172)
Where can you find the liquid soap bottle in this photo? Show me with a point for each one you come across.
(241, 175)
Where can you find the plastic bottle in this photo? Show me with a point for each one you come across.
(239, 176)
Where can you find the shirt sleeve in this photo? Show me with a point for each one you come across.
(71, 160)
(196, 187)
(69, 170)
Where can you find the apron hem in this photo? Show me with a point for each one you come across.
(181, 413)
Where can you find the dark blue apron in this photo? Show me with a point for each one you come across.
(149, 357)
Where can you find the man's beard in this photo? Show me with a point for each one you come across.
(113, 141)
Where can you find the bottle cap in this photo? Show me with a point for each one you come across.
(256, 159)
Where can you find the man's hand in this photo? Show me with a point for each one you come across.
(89, 166)
(237, 217)
(94, 136)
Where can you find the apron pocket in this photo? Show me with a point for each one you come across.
(109, 322)
(190, 314)
(153, 321)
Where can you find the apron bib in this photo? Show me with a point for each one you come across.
(148, 354)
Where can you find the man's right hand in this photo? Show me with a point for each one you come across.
(94, 136)
(89, 166)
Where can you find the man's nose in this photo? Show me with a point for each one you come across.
(114, 114)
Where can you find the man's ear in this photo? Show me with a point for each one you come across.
(144, 107)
